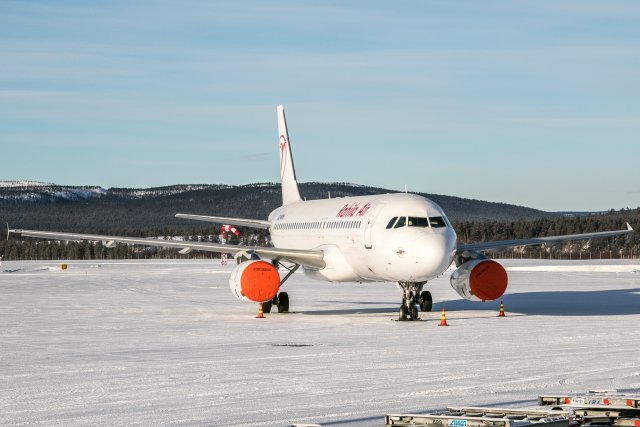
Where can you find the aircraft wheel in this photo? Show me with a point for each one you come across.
(403, 313)
(414, 312)
(283, 302)
(266, 307)
(426, 301)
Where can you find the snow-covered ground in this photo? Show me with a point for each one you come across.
(164, 342)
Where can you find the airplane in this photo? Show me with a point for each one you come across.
(401, 238)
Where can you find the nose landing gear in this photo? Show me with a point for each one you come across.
(414, 296)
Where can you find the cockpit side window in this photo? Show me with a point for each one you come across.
(402, 221)
(415, 221)
(393, 221)
(437, 221)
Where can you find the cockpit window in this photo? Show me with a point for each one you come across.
(415, 221)
(437, 221)
(393, 221)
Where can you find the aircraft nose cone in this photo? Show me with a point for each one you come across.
(434, 253)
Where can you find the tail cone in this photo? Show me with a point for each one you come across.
(443, 319)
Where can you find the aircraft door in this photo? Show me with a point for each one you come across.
(369, 226)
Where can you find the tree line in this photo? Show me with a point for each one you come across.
(469, 231)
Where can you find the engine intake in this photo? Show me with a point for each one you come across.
(254, 280)
(480, 280)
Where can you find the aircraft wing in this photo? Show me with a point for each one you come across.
(253, 223)
(551, 240)
(297, 256)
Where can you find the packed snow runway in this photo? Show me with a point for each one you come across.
(165, 342)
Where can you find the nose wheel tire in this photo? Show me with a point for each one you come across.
(408, 313)
(404, 312)
(414, 312)
(426, 302)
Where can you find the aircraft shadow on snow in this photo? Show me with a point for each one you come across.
(560, 303)
(383, 307)
(553, 303)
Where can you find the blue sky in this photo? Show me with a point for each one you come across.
(534, 103)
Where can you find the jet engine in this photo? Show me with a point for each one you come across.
(254, 280)
(480, 280)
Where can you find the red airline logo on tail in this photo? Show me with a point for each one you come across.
(283, 156)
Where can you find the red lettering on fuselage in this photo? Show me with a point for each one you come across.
(364, 209)
(354, 209)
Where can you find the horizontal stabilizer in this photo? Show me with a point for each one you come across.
(252, 223)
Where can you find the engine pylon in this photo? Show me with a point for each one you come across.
(443, 319)
(501, 314)
(260, 312)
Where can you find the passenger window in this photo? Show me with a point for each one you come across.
(393, 221)
(402, 221)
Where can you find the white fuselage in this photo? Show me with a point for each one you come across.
(359, 242)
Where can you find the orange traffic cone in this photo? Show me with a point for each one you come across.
(501, 314)
(443, 319)
(260, 314)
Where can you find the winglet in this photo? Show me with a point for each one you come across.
(629, 227)
(290, 193)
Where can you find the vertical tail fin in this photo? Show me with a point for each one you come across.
(290, 193)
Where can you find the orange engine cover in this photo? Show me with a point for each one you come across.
(255, 280)
(480, 280)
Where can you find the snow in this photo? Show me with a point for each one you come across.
(19, 184)
(35, 191)
(165, 342)
(168, 191)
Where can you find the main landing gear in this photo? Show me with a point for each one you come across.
(414, 296)
(281, 301)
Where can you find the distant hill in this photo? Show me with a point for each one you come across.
(36, 205)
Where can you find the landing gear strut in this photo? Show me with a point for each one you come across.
(412, 297)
